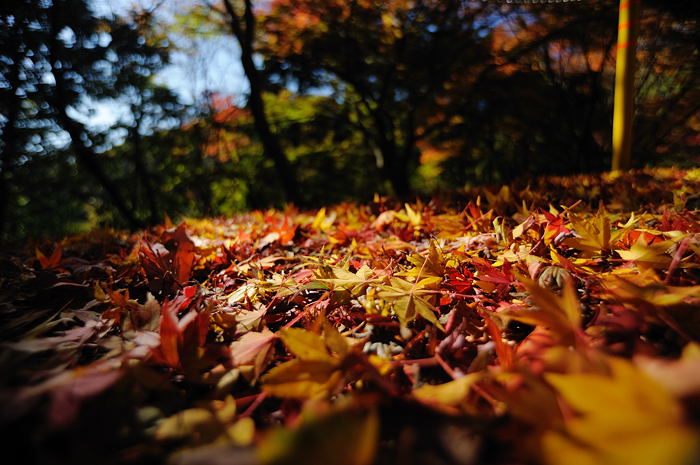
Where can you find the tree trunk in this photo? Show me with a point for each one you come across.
(204, 177)
(59, 100)
(623, 111)
(87, 158)
(85, 155)
(142, 172)
(394, 168)
(271, 146)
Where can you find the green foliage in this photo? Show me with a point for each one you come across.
(58, 58)
(394, 97)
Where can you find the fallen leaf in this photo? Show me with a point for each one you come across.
(344, 437)
(619, 419)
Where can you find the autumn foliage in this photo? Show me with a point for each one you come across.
(555, 322)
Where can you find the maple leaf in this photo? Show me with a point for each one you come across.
(679, 377)
(460, 279)
(621, 418)
(476, 217)
(645, 288)
(411, 216)
(138, 316)
(489, 273)
(355, 283)
(346, 436)
(68, 340)
(409, 300)
(181, 340)
(317, 372)
(504, 351)
(647, 255)
(306, 379)
(284, 233)
(305, 344)
(645, 235)
(322, 222)
(253, 348)
(239, 321)
(184, 254)
(675, 306)
(52, 261)
(561, 314)
(336, 343)
(555, 229)
(211, 423)
(523, 227)
(168, 266)
(595, 235)
(431, 265)
(67, 390)
(450, 394)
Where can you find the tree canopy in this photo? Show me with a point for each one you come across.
(344, 99)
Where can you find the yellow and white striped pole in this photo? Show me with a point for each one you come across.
(628, 27)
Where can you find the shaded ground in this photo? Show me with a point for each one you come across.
(510, 326)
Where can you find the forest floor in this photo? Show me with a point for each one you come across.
(555, 322)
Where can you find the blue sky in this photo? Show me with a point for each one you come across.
(213, 64)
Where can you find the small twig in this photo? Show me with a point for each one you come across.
(473, 223)
(251, 408)
(682, 247)
(421, 362)
(448, 369)
(298, 317)
(495, 403)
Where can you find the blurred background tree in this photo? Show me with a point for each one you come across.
(340, 100)
(57, 58)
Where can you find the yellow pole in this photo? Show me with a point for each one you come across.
(628, 26)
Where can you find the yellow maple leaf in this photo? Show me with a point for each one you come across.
(305, 344)
(410, 299)
(451, 393)
(561, 314)
(304, 379)
(595, 235)
(645, 288)
(648, 255)
(355, 283)
(432, 265)
(347, 436)
(317, 372)
(620, 419)
(212, 422)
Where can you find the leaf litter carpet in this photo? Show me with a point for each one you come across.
(555, 322)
